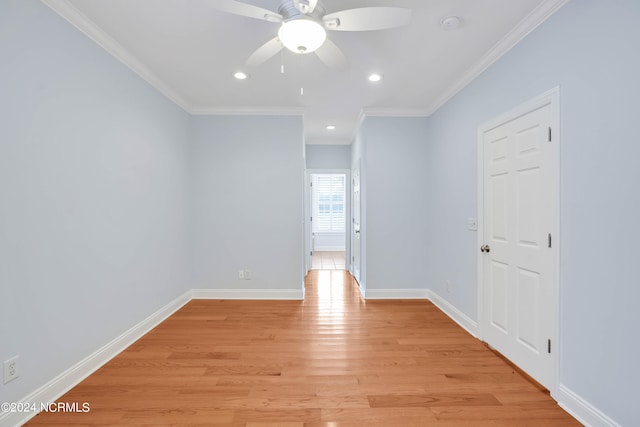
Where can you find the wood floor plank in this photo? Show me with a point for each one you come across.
(330, 360)
(430, 400)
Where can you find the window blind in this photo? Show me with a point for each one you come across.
(329, 203)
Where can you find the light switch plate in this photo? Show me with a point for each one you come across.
(472, 224)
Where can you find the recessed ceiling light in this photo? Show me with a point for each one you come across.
(375, 77)
(331, 127)
(240, 75)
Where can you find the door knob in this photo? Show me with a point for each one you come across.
(485, 248)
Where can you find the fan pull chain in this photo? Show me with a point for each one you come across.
(282, 62)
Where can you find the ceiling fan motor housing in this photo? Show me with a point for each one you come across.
(289, 11)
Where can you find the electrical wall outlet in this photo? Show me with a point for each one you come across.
(240, 274)
(11, 371)
(247, 275)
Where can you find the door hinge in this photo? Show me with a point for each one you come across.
(311, 253)
(549, 346)
(549, 242)
(311, 219)
(549, 133)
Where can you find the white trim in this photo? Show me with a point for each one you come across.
(396, 112)
(551, 98)
(356, 129)
(396, 293)
(89, 28)
(330, 142)
(456, 315)
(582, 410)
(68, 379)
(540, 14)
(246, 111)
(70, 13)
(361, 290)
(248, 294)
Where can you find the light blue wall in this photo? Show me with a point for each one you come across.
(396, 237)
(247, 201)
(93, 196)
(590, 48)
(328, 156)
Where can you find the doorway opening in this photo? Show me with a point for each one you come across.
(328, 220)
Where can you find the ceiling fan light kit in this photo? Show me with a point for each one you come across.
(302, 35)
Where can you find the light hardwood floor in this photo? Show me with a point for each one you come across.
(330, 360)
(328, 260)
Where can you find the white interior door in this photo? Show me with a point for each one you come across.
(519, 259)
(355, 238)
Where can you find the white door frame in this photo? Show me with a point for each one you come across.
(347, 212)
(357, 207)
(551, 98)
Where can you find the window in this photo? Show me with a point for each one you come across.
(329, 203)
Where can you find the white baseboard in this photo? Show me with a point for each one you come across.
(456, 315)
(582, 410)
(68, 379)
(248, 294)
(395, 294)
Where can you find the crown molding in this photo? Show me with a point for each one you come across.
(395, 112)
(247, 111)
(85, 25)
(327, 141)
(356, 129)
(89, 28)
(515, 36)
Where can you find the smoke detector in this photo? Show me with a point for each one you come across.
(450, 22)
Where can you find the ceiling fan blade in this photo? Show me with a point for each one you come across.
(305, 6)
(367, 19)
(264, 52)
(332, 56)
(244, 9)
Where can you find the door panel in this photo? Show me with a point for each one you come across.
(498, 293)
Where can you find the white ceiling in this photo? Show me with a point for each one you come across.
(189, 51)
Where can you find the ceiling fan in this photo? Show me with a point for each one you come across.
(304, 25)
